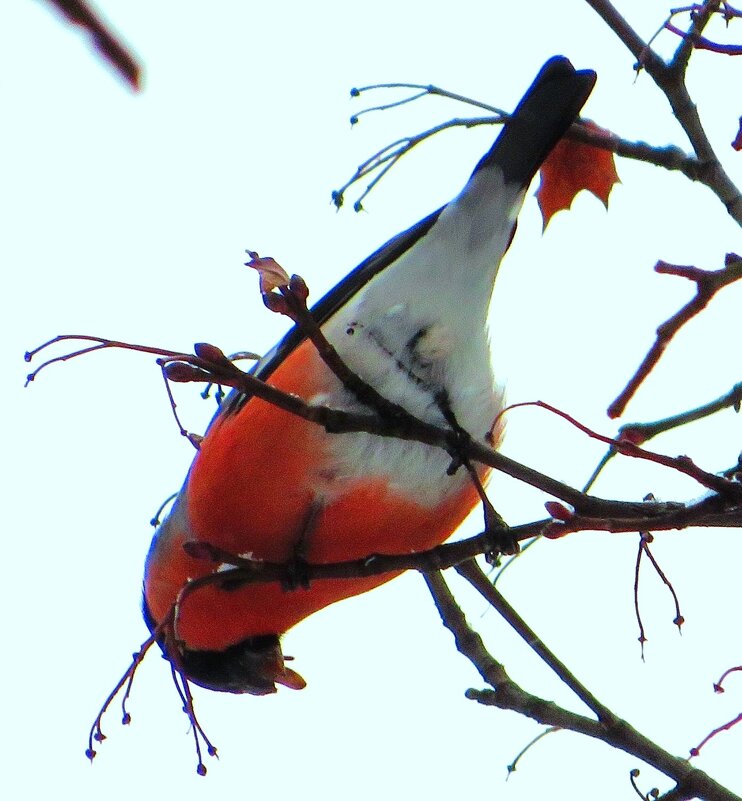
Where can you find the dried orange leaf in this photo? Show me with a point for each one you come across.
(272, 275)
(571, 167)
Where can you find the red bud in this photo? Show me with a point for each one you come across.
(558, 510)
(276, 303)
(299, 287)
(183, 373)
(209, 353)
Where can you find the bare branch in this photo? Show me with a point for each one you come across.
(383, 160)
(708, 283)
(642, 432)
(610, 729)
(670, 78)
(590, 512)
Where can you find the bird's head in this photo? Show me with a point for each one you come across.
(255, 666)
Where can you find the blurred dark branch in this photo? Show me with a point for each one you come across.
(103, 39)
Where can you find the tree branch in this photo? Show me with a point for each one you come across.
(708, 283)
(104, 40)
(609, 728)
(670, 78)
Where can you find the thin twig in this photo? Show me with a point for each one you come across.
(626, 447)
(513, 766)
(384, 159)
(639, 433)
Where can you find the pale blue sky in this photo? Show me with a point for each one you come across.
(128, 216)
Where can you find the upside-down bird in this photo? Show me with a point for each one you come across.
(411, 322)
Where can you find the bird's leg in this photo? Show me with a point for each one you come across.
(497, 530)
(297, 573)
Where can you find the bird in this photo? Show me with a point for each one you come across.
(411, 322)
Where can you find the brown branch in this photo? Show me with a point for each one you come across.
(471, 571)
(590, 512)
(103, 39)
(670, 78)
(670, 157)
(246, 571)
(642, 432)
(609, 728)
(710, 511)
(187, 368)
(708, 283)
(508, 695)
(452, 554)
(700, 17)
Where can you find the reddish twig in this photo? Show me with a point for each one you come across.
(101, 343)
(183, 687)
(639, 433)
(104, 40)
(702, 43)
(678, 620)
(645, 538)
(730, 724)
(637, 611)
(96, 732)
(682, 464)
(708, 283)
(164, 630)
(718, 684)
